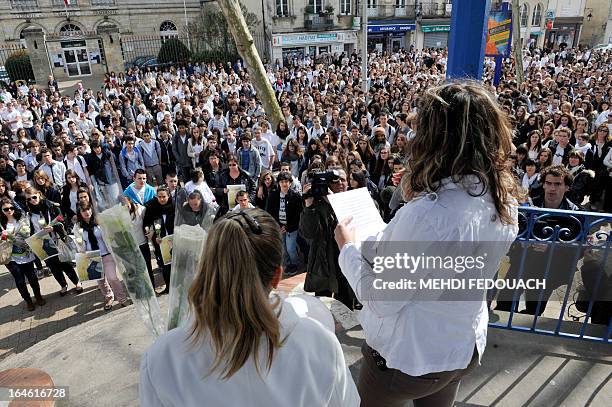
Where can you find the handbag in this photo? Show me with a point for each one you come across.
(6, 251)
(67, 249)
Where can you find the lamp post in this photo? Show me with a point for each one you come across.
(186, 25)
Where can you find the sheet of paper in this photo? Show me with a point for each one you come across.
(232, 190)
(359, 204)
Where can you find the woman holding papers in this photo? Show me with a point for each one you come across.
(463, 193)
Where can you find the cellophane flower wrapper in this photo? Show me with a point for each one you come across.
(187, 248)
(116, 225)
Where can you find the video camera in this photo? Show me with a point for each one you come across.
(319, 183)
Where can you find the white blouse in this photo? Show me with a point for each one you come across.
(307, 370)
(426, 336)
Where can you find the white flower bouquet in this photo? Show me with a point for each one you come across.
(116, 224)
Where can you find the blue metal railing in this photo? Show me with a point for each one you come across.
(558, 247)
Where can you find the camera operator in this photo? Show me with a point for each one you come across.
(317, 224)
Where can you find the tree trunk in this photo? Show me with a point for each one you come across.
(517, 44)
(248, 52)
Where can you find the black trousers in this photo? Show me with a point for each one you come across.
(58, 269)
(20, 273)
(146, 253)
(160, 263)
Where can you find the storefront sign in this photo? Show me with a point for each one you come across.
(435, 28)
(297, 39)
(378, 28)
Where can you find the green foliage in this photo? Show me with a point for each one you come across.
(19, 67)
(213, 33)
(214, 55)
(173, 50)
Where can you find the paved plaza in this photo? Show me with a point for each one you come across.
(518, 369)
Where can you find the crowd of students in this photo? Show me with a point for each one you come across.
(202, 129)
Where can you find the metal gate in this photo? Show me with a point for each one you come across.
(435, 40)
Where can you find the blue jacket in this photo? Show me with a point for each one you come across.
(148, 194)
(129, 165)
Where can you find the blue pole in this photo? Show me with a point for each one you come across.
(468, 35)
(499, 62)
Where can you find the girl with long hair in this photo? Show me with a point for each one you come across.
(544, 158)
(293, 155)
(69, 197)
(42, 182)
(533, 145)
(195, 145)
(87, 229)
(241, 337)
(42, 213)
(16, 227)
(460, 194)
(266, 183)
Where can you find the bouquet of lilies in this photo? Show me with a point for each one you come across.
(116, 225)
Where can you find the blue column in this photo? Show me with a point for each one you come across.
(468, 35)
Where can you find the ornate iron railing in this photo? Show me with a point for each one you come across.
(569, 251)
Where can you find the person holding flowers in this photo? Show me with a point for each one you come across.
(158, 221)
(44, 215)
(89, 237)
(15, 229)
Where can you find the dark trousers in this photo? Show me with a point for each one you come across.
(58, 269)
(160, 263)
(607, 204)
(20, 272)
(392, 388)
(345, 293)
(184, 173)
(146, 253)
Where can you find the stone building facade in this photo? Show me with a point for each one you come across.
(88, 37)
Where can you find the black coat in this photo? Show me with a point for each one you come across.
(224, 179)
(293, 208)
(317, 225)
(154, 211)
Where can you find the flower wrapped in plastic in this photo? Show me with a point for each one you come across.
(116, 224)
(194, 218)
(187, 248)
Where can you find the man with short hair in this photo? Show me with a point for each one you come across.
(562, 147)
(74, 162)
(54, 169)
(179, 151)
(130, 159)
(249, 158)
(285, 206)
(242, 201)
(151, 154)
(104, 177)
(139, 191)
(265, 148)
(557, 181)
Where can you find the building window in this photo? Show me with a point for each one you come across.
(282, 8)
(400, 3)
(168, 30)
(345, 6)
(524, 12)
(536, 20)
(372, 3)
(70, 28)
(316, 6)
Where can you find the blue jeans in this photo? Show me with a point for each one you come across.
(290, 256)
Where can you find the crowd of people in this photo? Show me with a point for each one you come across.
(149, 134)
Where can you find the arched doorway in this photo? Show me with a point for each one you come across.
(76, 56)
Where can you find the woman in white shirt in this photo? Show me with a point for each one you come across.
(418, 347)
(89, 237)
(243, 347)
